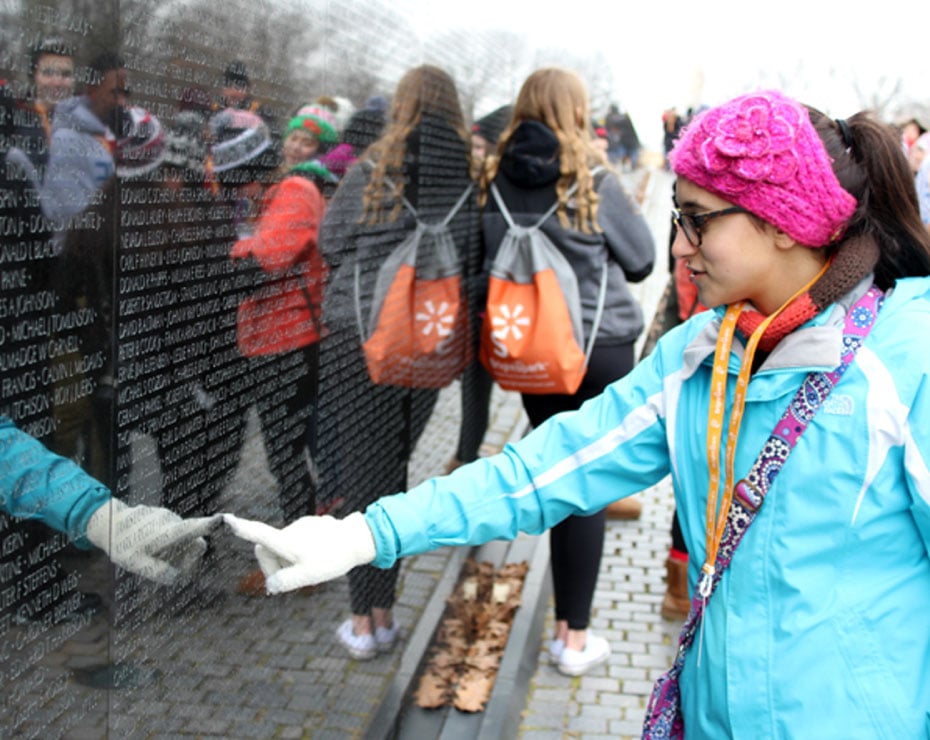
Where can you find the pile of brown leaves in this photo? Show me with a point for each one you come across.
(464, 661)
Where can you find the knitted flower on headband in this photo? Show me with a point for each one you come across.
(752, 143)
(761, 152)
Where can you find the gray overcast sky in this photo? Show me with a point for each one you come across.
(679, 52)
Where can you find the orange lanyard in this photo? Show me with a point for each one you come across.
(42, 112)
(717, 515)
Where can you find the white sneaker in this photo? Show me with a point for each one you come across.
(387, 637)
(555, 650)
(360, 647)
(575, 662)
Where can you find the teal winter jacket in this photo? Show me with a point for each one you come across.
(821, 625)
(37, 484)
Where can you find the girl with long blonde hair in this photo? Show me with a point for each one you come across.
(423, 158)
(545, 151)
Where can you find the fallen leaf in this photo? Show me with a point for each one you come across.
(432, 692)
(473, 692)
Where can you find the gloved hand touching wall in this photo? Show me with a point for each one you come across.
(311, 550)
(153, 542)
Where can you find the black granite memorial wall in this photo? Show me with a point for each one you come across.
(187, 351)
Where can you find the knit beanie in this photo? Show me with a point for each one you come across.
(760, 151)
(141, 145)
(239, 137)
(316, 120)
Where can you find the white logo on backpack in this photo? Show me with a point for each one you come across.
(439, 319)
(509, 322)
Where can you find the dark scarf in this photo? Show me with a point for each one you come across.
(855, 258)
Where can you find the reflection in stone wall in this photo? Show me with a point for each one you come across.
(181, 232)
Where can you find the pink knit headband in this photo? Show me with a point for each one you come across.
(761, 152)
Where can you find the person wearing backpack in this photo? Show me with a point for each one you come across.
(368, 429)
(546, 156)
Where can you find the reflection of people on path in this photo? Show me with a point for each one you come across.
(362, 129)
(280, 322)
(367, 431)
(51, 66)
(84, 140)
(477, 383)
(85, 280)
(29, 259)
(237, 95)
(243, 159)
(809, 246)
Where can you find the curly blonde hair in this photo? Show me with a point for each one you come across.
(423, 90)
(557, 98)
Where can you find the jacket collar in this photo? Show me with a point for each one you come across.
(815, 346)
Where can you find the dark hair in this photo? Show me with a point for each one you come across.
(870, 164)
(48, 45)
(105, 61)
(236, 74)
(920, 127)
(363, 129)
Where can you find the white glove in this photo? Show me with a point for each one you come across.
(311, 550)
(153, 542)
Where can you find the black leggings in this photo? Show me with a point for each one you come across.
(366, 435)
(678, 540)
(287, 411)
(578, 542)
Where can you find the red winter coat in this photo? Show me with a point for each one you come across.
(284, 313)
(688, 303)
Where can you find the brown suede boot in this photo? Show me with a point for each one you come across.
(626, 508)
(675, 603)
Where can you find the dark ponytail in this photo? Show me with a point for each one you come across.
(870, 164)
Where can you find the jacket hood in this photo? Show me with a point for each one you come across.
(75, 114)
(531, 158)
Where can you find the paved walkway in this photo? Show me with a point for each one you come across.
(610, 701)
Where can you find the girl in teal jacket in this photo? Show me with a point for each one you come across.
(148, 540)
(799, 229)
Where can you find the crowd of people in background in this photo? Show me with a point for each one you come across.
(308, 206)
(304, 210)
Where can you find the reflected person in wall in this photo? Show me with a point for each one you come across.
(84, 141)
(150, 541)
(367, 431)
(279, 322)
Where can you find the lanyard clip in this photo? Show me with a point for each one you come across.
(749, 495)
(705, 582)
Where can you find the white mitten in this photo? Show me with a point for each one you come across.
(311, 550)
(153, 542)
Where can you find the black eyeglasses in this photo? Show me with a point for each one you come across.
(692, 223)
